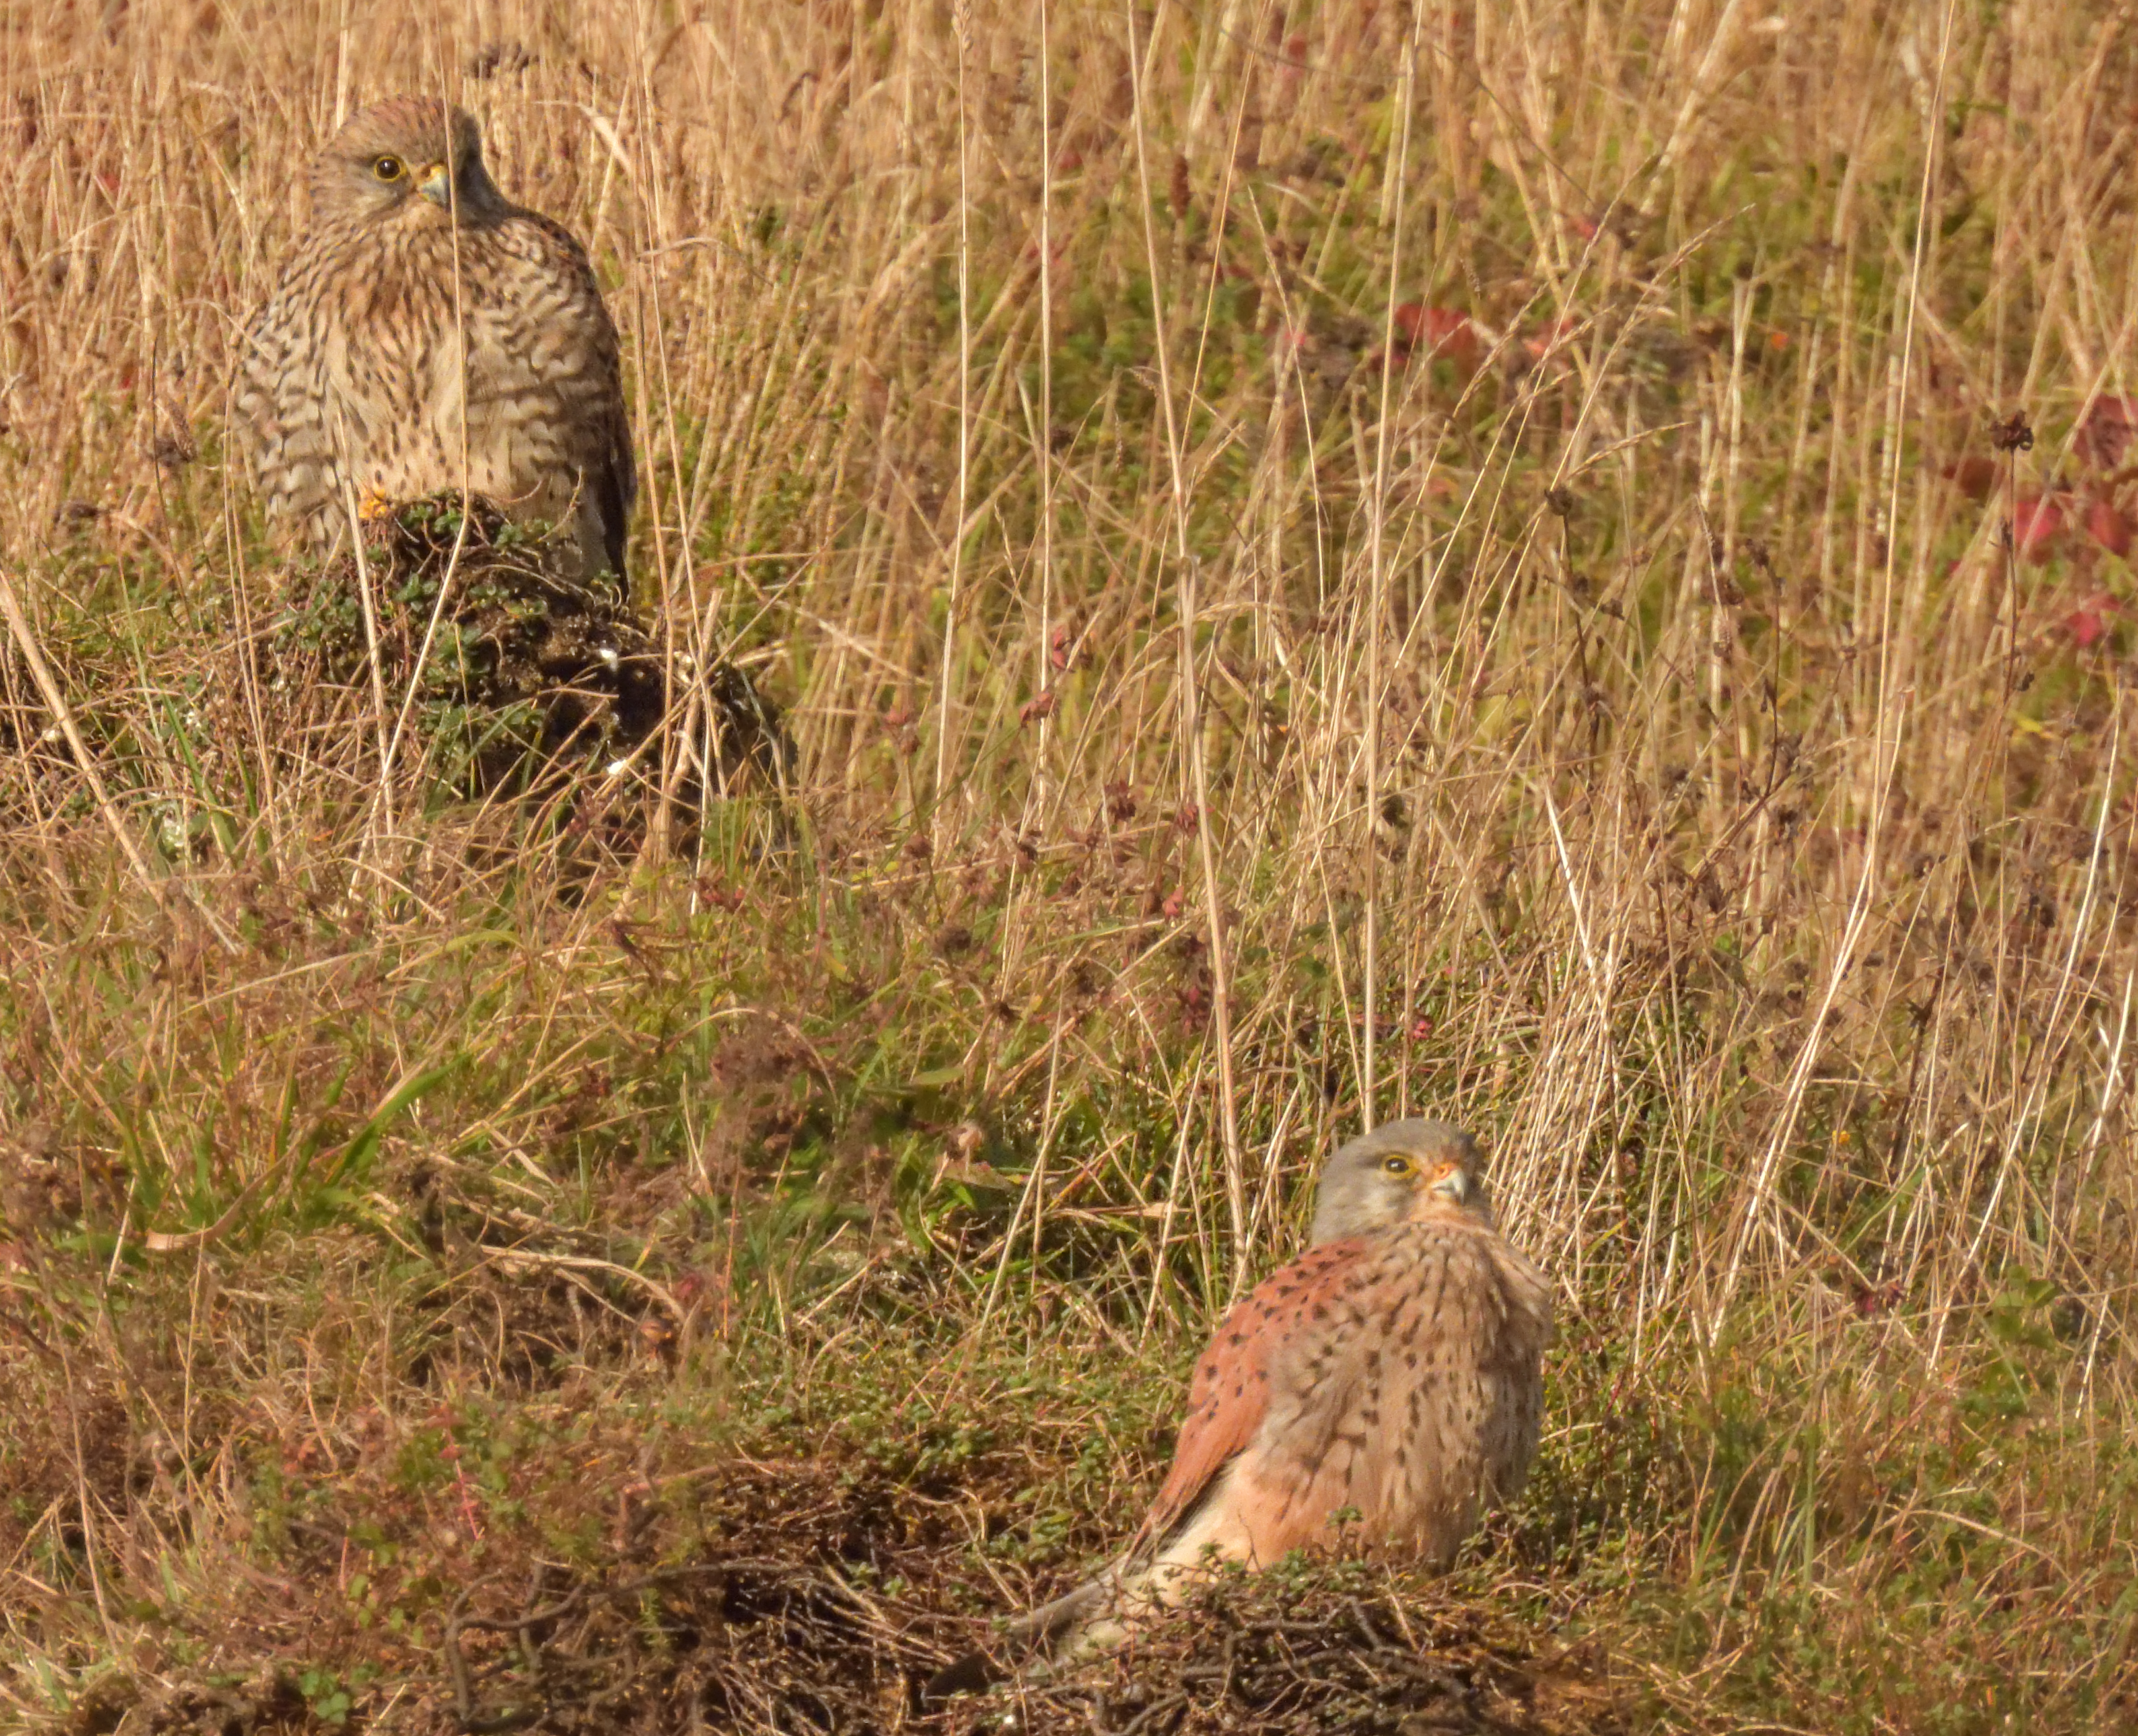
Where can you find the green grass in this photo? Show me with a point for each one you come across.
(419, 1209)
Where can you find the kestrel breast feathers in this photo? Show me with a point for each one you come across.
(427, 335)
(1393, 1371)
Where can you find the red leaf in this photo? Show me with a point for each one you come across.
(2036, 525)
(1291, 71)
(2108, 527)
(1441, 331)
(1039, 705)
(1975, 475)
(2087, 623)
(1878, 1300)
(2105, 430)
(1549, 334)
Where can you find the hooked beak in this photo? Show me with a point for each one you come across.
(436, 184)
(1456, 1185)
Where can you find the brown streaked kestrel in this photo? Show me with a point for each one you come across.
(1394, 1372)
(427, 335)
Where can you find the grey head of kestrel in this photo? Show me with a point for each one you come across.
(1399, 1171)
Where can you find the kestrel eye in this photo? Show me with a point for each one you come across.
(388, 168)
(1397, 1166)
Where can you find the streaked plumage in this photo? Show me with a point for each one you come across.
(1394, 1369)
(355, 382)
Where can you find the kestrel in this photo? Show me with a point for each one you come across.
(427, 335)
(1392, 1372)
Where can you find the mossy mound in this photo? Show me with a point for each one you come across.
(1316, 1645)
(522, 673)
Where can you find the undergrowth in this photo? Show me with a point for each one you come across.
(1561, 567)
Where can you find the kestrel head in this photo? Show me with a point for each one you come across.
(1397, 1173)
(409, 159)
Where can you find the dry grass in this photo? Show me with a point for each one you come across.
(1316, 555)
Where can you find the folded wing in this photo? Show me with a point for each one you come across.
(1229, 1395)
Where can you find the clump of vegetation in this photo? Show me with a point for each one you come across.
(510, 670)
(1568, 571)
(1308, 1647)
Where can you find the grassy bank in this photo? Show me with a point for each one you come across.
(1312, 555)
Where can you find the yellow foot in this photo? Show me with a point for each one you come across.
(373, 505)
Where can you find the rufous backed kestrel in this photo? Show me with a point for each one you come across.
(1393, 1371)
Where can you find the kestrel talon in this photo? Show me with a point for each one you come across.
(427, 335)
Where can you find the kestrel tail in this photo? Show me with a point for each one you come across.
(426, 334)
(1393, 1370)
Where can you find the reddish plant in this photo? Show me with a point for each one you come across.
(2106, 525)
(2038, 524)
(1550, 333)
(2104, 431)
(2088, 623)
(1439, 331)
(1974, 475)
